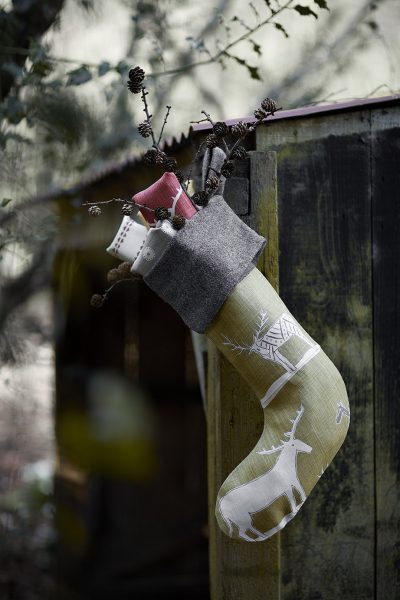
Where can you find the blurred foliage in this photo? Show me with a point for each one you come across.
(27, 538)
(113, 436)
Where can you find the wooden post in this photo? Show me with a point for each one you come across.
(239, 570)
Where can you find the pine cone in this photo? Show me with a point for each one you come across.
(136, 75)
(239, 152)
(178, 222)
(260, 114)
(113, 275)
(94, 211)
(170, 165)
(145, 129)
(239, 129)
(154, 156)
(180, 176)
(161, 213)
(159, 157)
(96, 300)
(212, 183)
(269, 105)
(150, 156)
(134, 88)
(211, 141)
(124, 269)
(220, 129)
(227, 168)
(200, 198)
(127, 209)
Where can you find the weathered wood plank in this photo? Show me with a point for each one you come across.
(327, 552)
(238, 570)
(385, 126)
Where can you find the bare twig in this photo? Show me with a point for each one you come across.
(104, 202)
(148, 115)
(163, 125)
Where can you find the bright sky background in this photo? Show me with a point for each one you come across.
(106, 37)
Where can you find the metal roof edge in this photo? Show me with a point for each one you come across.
(314, 109)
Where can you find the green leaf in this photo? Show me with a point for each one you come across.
(282, 29)
(305, 11)
(122, 67)
(79, 76)
(42, 68)
(103, 68)
(15, 111)
(256, 47)
(322, 4)
(6, 201)
(254, 72)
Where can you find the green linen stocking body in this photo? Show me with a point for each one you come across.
(306, 410)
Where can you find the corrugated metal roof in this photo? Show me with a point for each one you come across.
(317, 109)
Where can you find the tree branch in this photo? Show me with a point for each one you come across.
(27, 22)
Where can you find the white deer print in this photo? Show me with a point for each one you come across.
(267, 344)
(239, 505)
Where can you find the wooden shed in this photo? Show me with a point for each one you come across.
(322, 183)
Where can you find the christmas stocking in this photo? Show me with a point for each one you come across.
(206, 271)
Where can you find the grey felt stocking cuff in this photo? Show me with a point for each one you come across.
(204, 262)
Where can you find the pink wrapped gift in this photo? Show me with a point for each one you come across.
(166, 192)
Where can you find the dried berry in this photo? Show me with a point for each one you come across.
(220, 129)
(145, 129)
(212, 183)
(227, 168)
(170, 165)
(113, 275)
(124, 269)
(211, 141)
(178, 222)
(200, 198)
(269, 105)
(260, 114)
(97, 300)
(136, 75)
(180, 176)
(239, 129)
(94, 211)
(127, 209)
(161, 213)
(239, 152)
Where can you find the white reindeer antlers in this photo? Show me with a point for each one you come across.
(288, 434)
(273, 449)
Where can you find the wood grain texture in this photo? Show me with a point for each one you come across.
(238, 570)
(327, 552)
(385, 129)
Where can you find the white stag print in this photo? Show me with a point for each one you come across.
(267, 343)
(239, 505)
